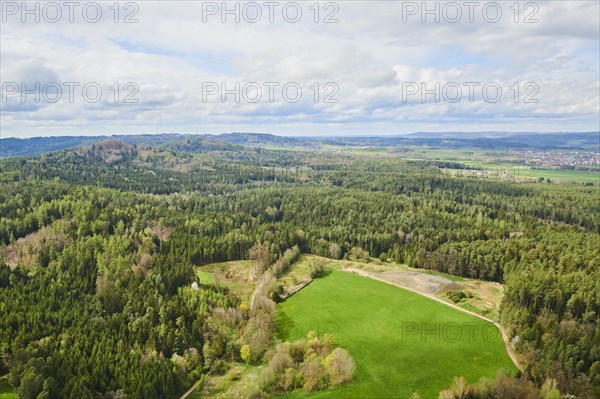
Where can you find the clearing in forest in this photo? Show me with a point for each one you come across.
(402, 342)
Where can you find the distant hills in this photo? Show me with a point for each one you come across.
(15, 147)
(587, 141)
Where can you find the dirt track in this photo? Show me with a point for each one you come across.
(423, 286)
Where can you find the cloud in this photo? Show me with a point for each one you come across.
(368, 57)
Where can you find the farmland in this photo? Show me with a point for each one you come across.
(375, 322)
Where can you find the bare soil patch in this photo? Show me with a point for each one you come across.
(421, 282)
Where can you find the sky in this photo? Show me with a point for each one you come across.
(298, 68)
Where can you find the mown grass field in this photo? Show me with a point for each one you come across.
(383, 327)
(564, 176)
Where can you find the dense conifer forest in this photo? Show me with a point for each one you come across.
(99, 299)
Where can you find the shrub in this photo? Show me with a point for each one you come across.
(549, 389)
(358, 254)
(219, 366)
(322, 346)
(459, 390)
(280, 362)
(312, 375)
(232, 375)
(340, 366)
(267, 378)
(297, 349)
(246, 353)
(335, 251)
(288, 379)
(196, 374)
(310, 363)
(258, 394)
(276, 292)
(504, 387)
(316, 268)
(456, 296)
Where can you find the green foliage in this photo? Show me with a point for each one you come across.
(91, 309)
(503, 387)
(245, 353)
(316, 268)
(311, 364)
(108, 305)
(6, 390)
(456, 296)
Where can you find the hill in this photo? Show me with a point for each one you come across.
(14, 147)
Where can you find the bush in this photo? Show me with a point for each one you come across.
(456, 296)
(276, 292)
(358, 254)
(246, 353)
(297, 349)
(258, 394)
(312, 375)
(280, 361)
(232, 375)
(288, 380)
(504, 387)
(196, 374)
(335, 251)
(267, 378)
(316, 268)
(312, 363)
(549, 389)
(219, 366)
(340, 366)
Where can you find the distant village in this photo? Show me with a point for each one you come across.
(558, 158)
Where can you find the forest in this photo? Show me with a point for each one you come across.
(99, 299)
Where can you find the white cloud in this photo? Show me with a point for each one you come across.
(369, 54)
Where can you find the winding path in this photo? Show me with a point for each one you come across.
(509, 348)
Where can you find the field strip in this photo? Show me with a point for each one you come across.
(509, 349)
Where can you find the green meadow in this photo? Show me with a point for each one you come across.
(565, 176)
(401, 342)
(6, 391)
